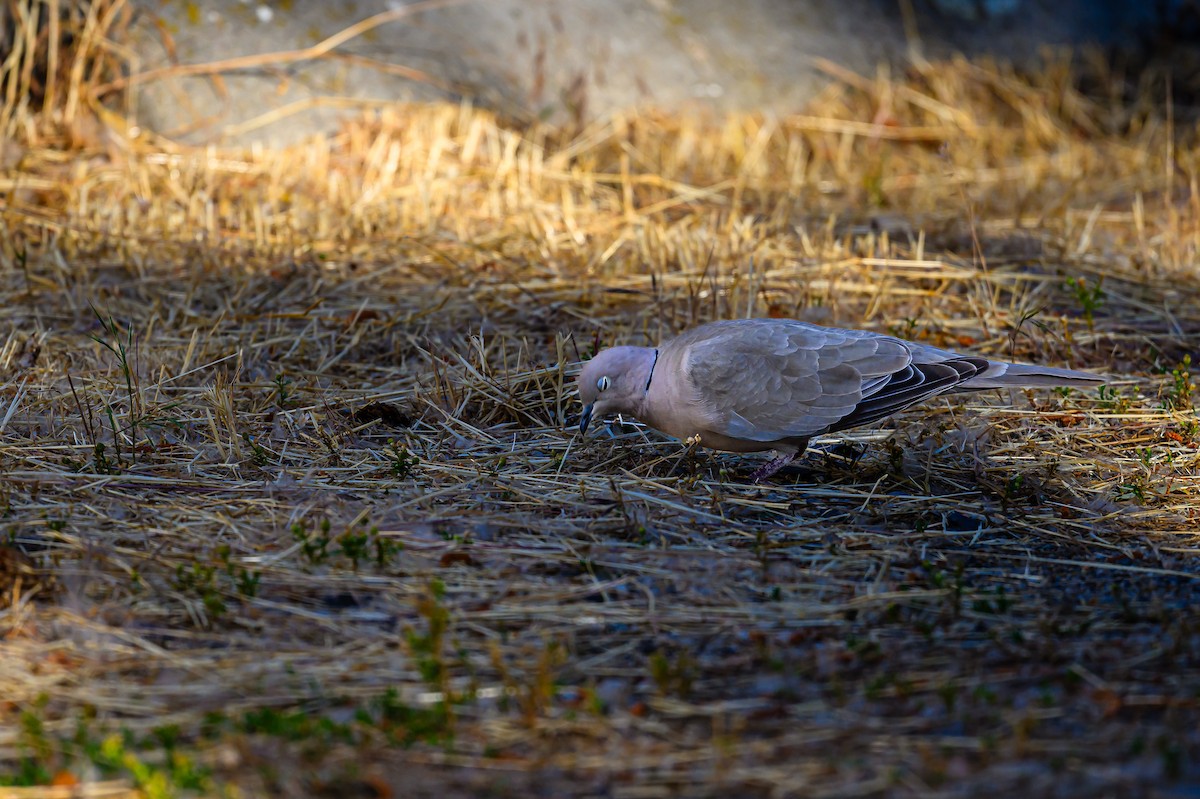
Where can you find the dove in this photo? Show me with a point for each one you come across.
(753, 385)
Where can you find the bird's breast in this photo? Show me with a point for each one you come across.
(673, 406)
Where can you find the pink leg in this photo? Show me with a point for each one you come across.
(770, 467)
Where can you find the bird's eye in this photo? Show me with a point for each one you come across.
(603, 383)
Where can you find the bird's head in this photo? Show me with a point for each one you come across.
(615, 381)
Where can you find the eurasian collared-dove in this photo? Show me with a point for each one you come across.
(749, 385)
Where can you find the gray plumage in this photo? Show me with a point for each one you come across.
(750, 385)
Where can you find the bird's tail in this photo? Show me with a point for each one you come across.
(1019, 375)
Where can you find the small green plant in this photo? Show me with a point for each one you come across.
(1089, 297)
(400, 723)
(949, 692)
(428, 649)
(876, 686)
(906, 329)
(282, 391)
(20, 256)
(122, 348)
(138, 420)
(872, 184)
(1018, 328)
(403, 463)
(101, 463)
(213, 582)
(1112, 400)
(385, 549)
(179, 773)
(153, 762)
(245, 582)
(1172, 756)
(997, 604)
(295, 725)
(406, 725)
(258, 453)
(201, 579)
(539, 689)
(1012, 488)
(895, 457)
(673, 676)
(355, 544)
(985, 694)
(1146, 456)
(34, 768)
(1133, 490)
(314, 545)
(1177, 394)
(427, 646)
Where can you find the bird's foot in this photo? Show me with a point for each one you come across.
(770, 467)
(848, 452)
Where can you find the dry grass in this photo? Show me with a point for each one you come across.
(289, 461)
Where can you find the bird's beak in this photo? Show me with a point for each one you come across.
(586, 418)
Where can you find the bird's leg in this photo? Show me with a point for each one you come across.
(770, 467)
(782, 458)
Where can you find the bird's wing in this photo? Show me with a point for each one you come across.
(767, 380)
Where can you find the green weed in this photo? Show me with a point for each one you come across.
(282, 391)
(1177, 394)
(1089, 297)
(403, 463)
(355, 545)
(153, 763)
(1113, 400)
(673, 676)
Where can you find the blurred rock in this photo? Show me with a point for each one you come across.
(566, 60)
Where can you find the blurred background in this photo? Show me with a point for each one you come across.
(277, 71)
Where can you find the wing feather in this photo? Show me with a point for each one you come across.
(915, 383)
(769, 380)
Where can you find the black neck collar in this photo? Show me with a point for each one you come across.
(652, 365)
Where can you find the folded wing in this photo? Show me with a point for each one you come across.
(768, 380)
